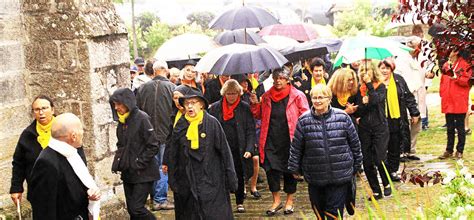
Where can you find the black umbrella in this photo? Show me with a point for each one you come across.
(238, 36)
(180, 63)
(243, 17)
(304, 51)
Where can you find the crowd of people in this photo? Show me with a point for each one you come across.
(205, 137)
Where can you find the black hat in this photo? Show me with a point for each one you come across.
(139, 61)
(193, 94)
(185, 90)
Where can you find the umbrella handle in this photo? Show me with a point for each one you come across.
(18, 208)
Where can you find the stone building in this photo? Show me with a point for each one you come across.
(75, 51)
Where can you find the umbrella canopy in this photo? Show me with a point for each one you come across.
(240, 58)
(368, 47)
(243, 17)
(304, 51)
(279, 42)
(238, 36)
(185, 46)
(332, 45)
(299, 32)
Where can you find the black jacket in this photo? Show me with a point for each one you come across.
(155, 97)
(213, 90)
(137, 143)
(406, 100)
(372, 114)
(205, 175)
(26, 152)
(245, 124)
(56, 191)
(326, 148)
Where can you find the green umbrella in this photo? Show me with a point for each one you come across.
(368, 47)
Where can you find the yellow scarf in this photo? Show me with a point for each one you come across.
(343, 99)
(254, 82)
(391, 105)
(193, 130)
(178, 116)
(313, 83)
(44, 133)
(123, 117)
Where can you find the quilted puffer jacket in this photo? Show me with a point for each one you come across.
(325, 148)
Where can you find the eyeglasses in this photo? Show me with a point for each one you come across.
(319, 97)
(37, 110)
(192, 102)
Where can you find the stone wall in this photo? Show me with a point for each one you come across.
(75, 51)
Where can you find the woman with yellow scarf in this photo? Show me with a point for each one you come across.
(399, 99)
(200, 165)
(32, 140)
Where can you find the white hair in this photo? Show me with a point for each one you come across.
(160, 64)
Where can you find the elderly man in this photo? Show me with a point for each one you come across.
(156, 99)
(61, 186)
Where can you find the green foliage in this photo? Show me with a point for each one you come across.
(146, 20)
(156, 35)
(201, 18)
(362, 18)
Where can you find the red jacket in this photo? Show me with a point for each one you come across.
(455, 92)
(297, 105)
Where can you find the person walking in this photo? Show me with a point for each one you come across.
(343, 85)
(156, 99)
(373, 128)
(135, 158)
(454, 91)
(239, 127)
(200, 166)
(279, 110)
(326, 151)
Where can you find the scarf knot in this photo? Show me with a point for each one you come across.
(193, 130)
(123, 118)
(228, 111)
(44, 132)
(277, 95)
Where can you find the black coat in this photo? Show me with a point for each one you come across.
(56, 191)
(326, 148)
(155, 97)
(137, 143)
(213, 90)
(245, 124)
(207, 174)
(26, 152)
(372, 114)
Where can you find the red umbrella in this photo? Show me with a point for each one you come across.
(299, 32)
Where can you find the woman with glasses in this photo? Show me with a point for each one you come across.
(239, 127)
(32, 140)
(326, 150)
(200, 165)
(279, 110)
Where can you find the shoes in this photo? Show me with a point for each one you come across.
(387, 191)
(240, 208)
(300, 178)
(394, 177)
(446, 155)
(376, 196)
(289, 211)
(425, 127)
(404, 158)
(458, 155)
(256, 195)
(163, 206)
(272, 212)
(412, 157)
(468, 131)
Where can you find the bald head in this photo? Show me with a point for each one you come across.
(68, 128)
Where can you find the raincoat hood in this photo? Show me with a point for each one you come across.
(125, 96)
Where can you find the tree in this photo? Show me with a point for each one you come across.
(362, 18)
(202, 18)
(450, 21)
(146, 19)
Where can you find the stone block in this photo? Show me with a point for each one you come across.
(13, 85)
(11, 56)
(108, 51)
(101, 170)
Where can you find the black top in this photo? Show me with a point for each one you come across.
(277, 149)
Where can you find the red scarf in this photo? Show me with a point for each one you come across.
(363, 88)
(276, 95)
(228, 111)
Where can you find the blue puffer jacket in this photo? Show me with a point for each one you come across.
(326, 148)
